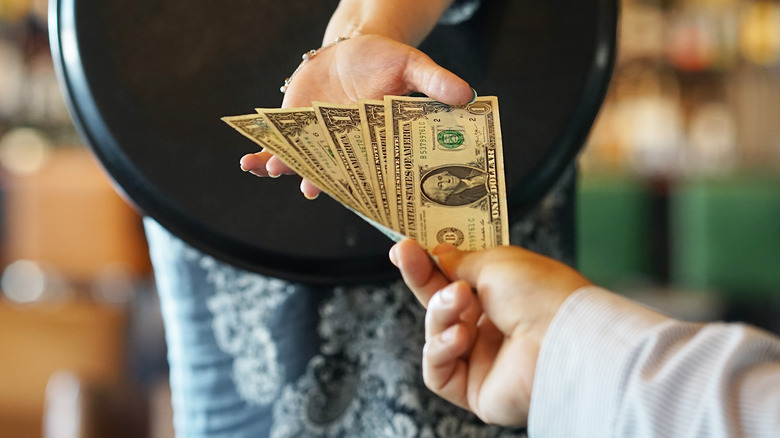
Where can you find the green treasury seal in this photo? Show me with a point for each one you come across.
(450, 139)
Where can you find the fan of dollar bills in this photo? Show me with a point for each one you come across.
(410, 166)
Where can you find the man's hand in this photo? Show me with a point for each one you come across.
(488, 313)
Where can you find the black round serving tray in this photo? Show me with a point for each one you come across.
(147, 81)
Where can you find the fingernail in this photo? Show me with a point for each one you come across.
(473, 99)
(448, 335)
(394, 256)
(447, 295)
(274, 175)
(436, 260)
(244, 169)
(311, 198)
(442, 248)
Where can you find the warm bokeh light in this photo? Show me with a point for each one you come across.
(23, 151)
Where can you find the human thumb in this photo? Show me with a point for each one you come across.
(427, 77)
(448, 257)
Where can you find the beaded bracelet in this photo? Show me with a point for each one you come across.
(306, 57)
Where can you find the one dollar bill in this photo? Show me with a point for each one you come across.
(411, 167)
(448, 171)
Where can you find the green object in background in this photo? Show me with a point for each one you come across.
(614, 231)
(726, 235)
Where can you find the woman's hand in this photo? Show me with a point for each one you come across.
(484, 329)
(362, 67)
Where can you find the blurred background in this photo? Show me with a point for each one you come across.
(678, 207)
(82, 349)
(679, 197)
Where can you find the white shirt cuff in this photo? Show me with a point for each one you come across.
(577, 384)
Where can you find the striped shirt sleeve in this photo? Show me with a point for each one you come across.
(610, 367)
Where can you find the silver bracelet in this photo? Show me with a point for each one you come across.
(306, 57)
